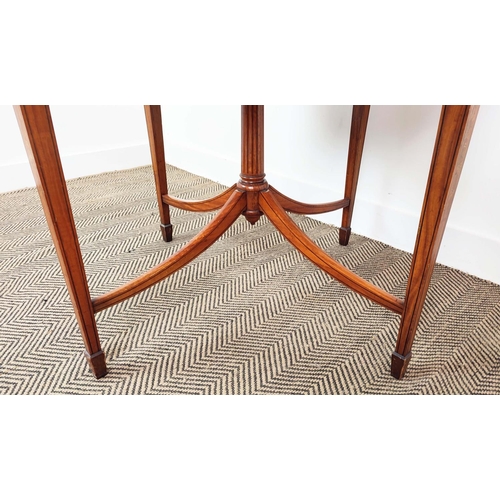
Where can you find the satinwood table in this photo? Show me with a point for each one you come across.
(251, 197)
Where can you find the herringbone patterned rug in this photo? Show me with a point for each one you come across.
(249, 316)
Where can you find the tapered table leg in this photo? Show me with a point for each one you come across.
(155, 133)
(356, 142)
(453, 136)
(39, 139)
(250, 197)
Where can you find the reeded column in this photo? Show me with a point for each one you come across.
(252, 177)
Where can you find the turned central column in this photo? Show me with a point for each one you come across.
(252, 177)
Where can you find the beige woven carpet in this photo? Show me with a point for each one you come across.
(249, 316)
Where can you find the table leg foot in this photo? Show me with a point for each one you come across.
(399, 364)
(344, 235)
(166, 232)
(97, 363)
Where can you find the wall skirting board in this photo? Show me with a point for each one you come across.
(18, 175)
(462, 248)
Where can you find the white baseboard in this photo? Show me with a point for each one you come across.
(476, 254)
(203, 162)
(19, 176)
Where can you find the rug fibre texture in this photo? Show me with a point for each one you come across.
(248, 316)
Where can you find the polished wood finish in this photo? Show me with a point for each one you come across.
(252, 176)
(39, 139)
(297, 207)
(155, 134)
(452, 141)
(200, 205)
(207, 236)
(285, 225)
(359, 123)
(252, 197)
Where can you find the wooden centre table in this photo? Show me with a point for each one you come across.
(251, 197)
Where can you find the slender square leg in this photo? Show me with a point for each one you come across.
(452, 141)
(359, 123)
(39, 138)
(155, 133)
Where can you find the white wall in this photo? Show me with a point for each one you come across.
(91, 139)
(305, 157)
